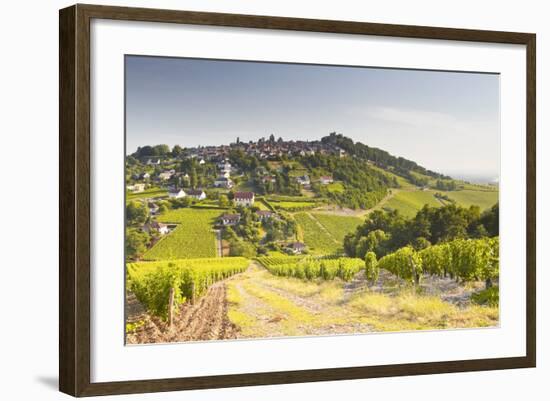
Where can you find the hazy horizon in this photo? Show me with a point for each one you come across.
(445, 121)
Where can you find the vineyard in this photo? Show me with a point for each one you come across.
(462, 259)
(318, 240)
(182, 243)
(310, 268)
(151, 282)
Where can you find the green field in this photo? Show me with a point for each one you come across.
(336, 187)
(338, 226)
(317, 240)
(292, 203)
(409, 202)
(289, 206)
(148, 193)
(466, 198)
(193, 237)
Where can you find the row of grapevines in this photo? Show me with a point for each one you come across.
(190, 278)
(309, 268)
(464, 259)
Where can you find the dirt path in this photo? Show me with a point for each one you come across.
(206, 320)
(270, 306)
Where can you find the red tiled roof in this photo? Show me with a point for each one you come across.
(264, 212)
(244, 195)
(231, 217)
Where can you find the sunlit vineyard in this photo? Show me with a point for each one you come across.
(310, 268)
(193, 237)
(462, 259)
(190, 278)
(317, 239)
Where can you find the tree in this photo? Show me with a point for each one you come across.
(223, 201)
(479, 231)
(136, 213)
(241, 248)
(177, 150)
(161, 150)
(490, 220)
(144, 151)
(136, 243)
(373, 242)
(272, 138)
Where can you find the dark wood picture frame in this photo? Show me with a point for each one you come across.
(74, 199)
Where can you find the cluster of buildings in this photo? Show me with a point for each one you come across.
(265, 149)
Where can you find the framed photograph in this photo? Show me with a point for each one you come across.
(250, 200)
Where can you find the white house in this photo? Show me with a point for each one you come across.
(160, 227)
(166, 175)
(176, 193)
(145, 176)
(224, 166)
(136, 188)
(196, 194)
(244, 198)
(230, 219)
(326, 179)
(303, 180)
(223, 182)
(153, 162)
(201, 161)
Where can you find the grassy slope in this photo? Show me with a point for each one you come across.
(409, 202)
(403, 183)
(193, 237)
(338, 226)
(483, 199)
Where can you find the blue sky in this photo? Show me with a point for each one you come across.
(445, 121)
